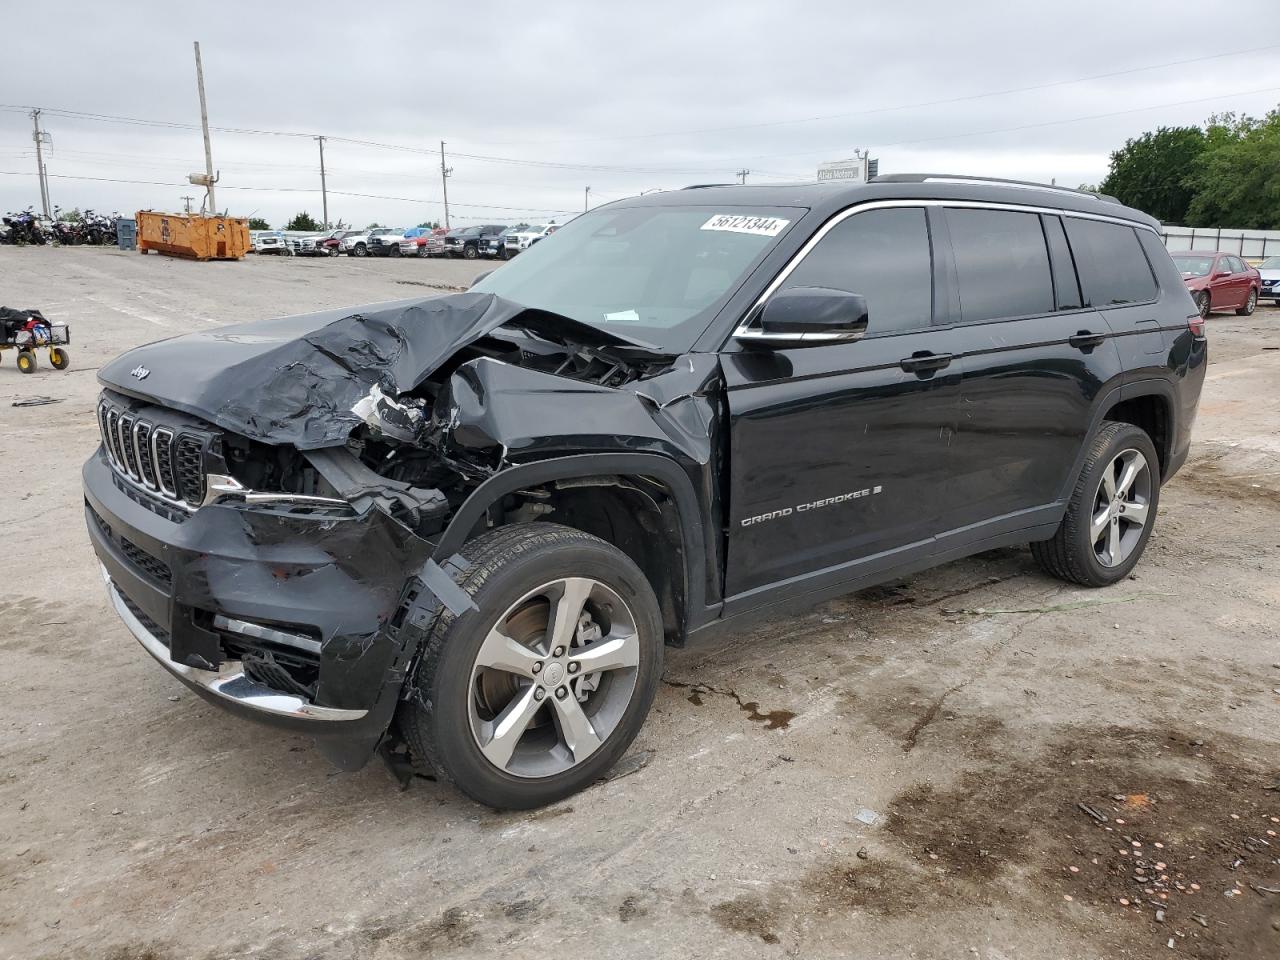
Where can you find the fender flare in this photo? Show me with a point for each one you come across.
(694, 533)
(1108, 399)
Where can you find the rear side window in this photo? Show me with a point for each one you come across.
(1002, 264)
(1237, 265)
(883, 255)
(1113, 268)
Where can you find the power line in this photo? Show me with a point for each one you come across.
(340, 193)
(897, 107)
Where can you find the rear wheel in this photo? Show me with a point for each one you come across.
(1111, 512)
(59, 358)
(26, 361)
(536, 693)
(1249, 305)
(1202, 303)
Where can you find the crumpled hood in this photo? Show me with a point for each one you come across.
(295, 380)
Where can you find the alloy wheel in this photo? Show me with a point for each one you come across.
(1202, 304)
(553, 677)
(1121, 508)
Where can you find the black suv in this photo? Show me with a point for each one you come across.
(459, 530)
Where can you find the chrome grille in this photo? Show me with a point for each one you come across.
(161, 459)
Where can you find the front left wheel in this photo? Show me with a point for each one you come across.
(536, 693)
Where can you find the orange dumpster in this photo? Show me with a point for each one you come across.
(193, 237)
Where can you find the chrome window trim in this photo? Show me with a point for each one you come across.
(744, 330)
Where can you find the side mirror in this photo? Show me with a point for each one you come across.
(809, 317)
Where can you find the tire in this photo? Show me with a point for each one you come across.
(359, 250)
(445, 721)
(1073, 553)
(1202, 304)
(470, 253)
(1249, 305)
(59, 358)
(394, 251)
(26, 361)
(333, 251)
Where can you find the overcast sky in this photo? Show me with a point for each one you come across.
(559, 96)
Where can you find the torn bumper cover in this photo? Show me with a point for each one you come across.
(305, 621)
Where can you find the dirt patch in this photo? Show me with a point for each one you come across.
(1179, 841)
(454, 928)
(748, 914)
(631, 909)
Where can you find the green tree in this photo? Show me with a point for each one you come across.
(373, 226)
(72, 216)
(1237, 180)
(257, 223)
(430, 226)
(302, 221)
(1154, 172)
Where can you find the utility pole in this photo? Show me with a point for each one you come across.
(586, 200)
(445, 174)
(742, 175)
(324, 190)
(204, 123)
(188, 203)
(39, 137)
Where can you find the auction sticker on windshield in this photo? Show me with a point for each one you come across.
(761, 226)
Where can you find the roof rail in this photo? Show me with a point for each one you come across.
(703, 186)
(966, 178)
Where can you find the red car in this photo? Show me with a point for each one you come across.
(1219, 281)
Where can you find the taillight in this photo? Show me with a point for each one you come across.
(1196, 325)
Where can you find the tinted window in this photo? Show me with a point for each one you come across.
(1066, 286)
(883, 255)
(1002, 264)
(1113, 268)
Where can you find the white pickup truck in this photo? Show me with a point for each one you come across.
(358, 244)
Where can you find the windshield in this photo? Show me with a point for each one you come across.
(1194, 266)
(654, 274)
(1271, 263)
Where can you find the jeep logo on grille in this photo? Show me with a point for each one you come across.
(139, 372)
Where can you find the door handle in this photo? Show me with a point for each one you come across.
(924, 360)
(1085, 339)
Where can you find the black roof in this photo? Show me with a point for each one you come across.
(829, 196)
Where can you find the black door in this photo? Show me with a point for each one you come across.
(839, 453)
(1035, 356)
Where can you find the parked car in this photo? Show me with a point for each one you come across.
(461, 528)
(308, 245)
(465, 241)
(385, 242)
(357, 245)
(331, 243)
(525, 238)
(434, 246)
(1269, 275)
(414, 242)
(270, 241)
(1219, 281)
(495, 245)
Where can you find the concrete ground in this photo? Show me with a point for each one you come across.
(977, 762)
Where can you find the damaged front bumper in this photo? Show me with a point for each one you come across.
(304, 620)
